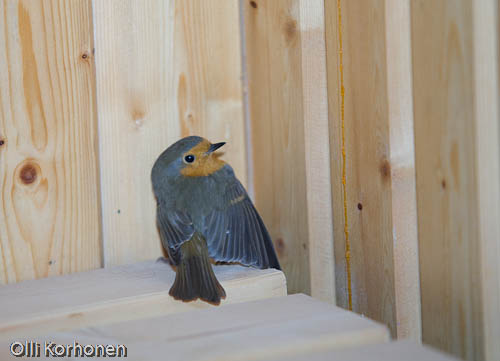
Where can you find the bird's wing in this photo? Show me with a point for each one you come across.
(235, 232)
(175, 228)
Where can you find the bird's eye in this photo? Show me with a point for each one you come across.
(189, 158)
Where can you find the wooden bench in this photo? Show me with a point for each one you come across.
(130, 306)
(393, 351)
(117, 294)
(288, 325)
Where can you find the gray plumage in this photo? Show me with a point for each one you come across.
(214, 208)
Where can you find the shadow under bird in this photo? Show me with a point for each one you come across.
(203, 212)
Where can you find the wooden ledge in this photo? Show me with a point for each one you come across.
(405, 350)
(257, 330)
(117, 294)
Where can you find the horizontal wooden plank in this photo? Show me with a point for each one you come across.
(401, 351)
(256, 330)
(117, 294)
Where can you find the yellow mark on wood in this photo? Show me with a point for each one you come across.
(344, 187)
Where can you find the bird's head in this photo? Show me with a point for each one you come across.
(190, 157)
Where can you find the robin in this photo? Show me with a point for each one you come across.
(203, 212)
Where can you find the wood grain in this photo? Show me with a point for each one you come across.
(288, 117)
(118, 294)
(258, 330)
(277, 126)
(164, 70)
(369, 167)
(402, 159)
(389, 351)
(443, 88)
(486, 106)
(49, 189)
(317, 150)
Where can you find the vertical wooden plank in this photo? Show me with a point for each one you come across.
(49, 213)
(369, 168)
(288, 102)
(443, 88)
(165, 69)
(402, 159)
(486, 97)
(273, 49)
(333, 52)
(317, 150)
(285, 59)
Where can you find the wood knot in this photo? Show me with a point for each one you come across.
(28, 174)
(360, 206)
(385, 169)
(443, 183)
(84, 55)
(290, 30)
(138, 115)
(2, 142)
(280, 247)
(253, 4)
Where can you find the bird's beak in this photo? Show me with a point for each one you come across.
(214, 147)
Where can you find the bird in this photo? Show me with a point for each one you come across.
(204, 214)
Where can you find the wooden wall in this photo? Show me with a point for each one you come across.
(143, 75)
(413, 107)
(91, 93)
(446, 183)
(456, 141)
(372, 154)
(164, 69)
(366, 131)
(487, 152)
(287, 100)
(49, 173)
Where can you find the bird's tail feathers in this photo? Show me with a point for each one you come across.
(195, 277)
